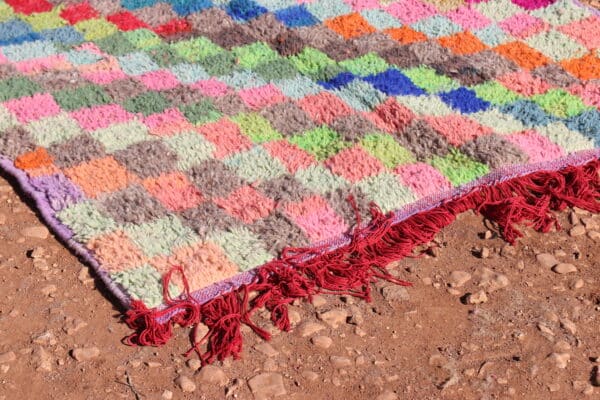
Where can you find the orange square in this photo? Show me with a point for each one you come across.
(101, 175)
(350, 25)
(116, 252)
(523, 55)
(463, 43)
(406, 35)
(34, 159)
(587, 67)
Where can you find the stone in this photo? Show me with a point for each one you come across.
(310, 375)
(458, 278)
(340, 362)
(334, 318)
(577, 284)
(477, 298)
(309, 328)
(7, 357)
(568, 325)
(194, 364)
(44, 339)
(43, 360)
(85, 353)
(166, 395)
(590, 223)
(594, 235)
(544, 329)
(546, 260)
(395, 293)
(294, 317)
(73, 325)
(84, 276)
(554, 387)
(37, 252)
(185, 384)
(577, 230)
(560, 359)
(318, 301)
(266, 349)
(35, 232)
(267, 385)
(213, 375)
(387, 395)
(493, 280)
(323, 342)
(564, 268)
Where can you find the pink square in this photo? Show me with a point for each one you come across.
(422, 178)
(226, 136)
(246, 204)
(586, 31)
(55, 62)
(468, 18)
(523, 25)
(159, 80)
(537, 147)
(411, 11)
(290, 155)
(32, 108)
(354, 164)
(316, 218)
(98, 117)
(211, 87)
(168, 123)
(260, 97)
(524, 83)
(174, 191)
(589, 92)
(324, 107)
(457, 129)
(359, 5)
(391, 116)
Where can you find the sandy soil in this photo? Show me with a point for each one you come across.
(534, 333)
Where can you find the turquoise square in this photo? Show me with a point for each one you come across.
(243, 80)
(436, 26)
(82, 57)
(492, 35)
(189, 73)
(242, 247)
(29, 50)
(324, 9)
(298, 87)
(255, 165)
(85, 221)
(381, 19)
(360, 95)
(137, 64)
(386, 191)
(161, 236)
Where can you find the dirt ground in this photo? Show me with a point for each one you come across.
(525, 331)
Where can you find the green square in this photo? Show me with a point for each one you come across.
(498, 10)
(191, 148)
(251, 55)
(459, 168)
(280, 68)
(95, 29)
(161, 236)
(7, 119)
(361, 95)
(16, 87)
(6, 12)
(495, 93)
(560, 103)
(255, 165)
(561, 12)
(45, 20)
(429, 80)
(119, 136)
(165, 56)
(219, 64)
(386, 191)
(570, 141)
(256, 127)
(85, 96)
(387, 150)
(146, 103)
(498, 121)
(427, 106)
(196, 49)
(369, 64)
(201, 112)
(51, 130)
(144, 283)
(116, 45)
(315, 64)
(142, 39)
(320, 180)
(242, 247)
(85, 221)
(322, 142)
(556, 45)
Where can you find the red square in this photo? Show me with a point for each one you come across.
(324, 107)
(391, 116)
(246, 204)
(290, 155)
(173, 27)
(226, 136)
(28, 7)
(78, 12)
(457, 129)
(126, 21)
(174, 191)
(354, 164)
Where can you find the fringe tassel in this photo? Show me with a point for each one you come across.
(301, 273)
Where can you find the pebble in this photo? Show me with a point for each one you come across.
(37, 232)
(590, 223)
(310, 375)
(477, 298)
(7, 357)
(309, 328)
(194, 364)
(267, 385)
(458, 278)
(594, 235)
(266, 349)
(387, 395)
(578, 284)
(395, 293)
(560, 359)
(85, 353)
(294, 317)
(334, 318)
(568, 325)
(185, 384)
(340, 362)
(319, 301)
(554, 387)
(564, 268)
(45, 339)
(43, 360)
(213, 375)
(84, 276)
(493, 280)
(577, 230)
(546, 260)
(166, 395)
(544, 329)
(323, 342)
(37, 252)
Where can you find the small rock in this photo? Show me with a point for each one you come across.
(213, 375)
(568, 325)
(560, 359)
(493, 280)
(477, 298)
(153, 364)
(267, 385)
(458, 278)
(577, 230)
(546, 260)
(7, 357)
(310, 375)
(43, 360)
(594, 235)
(73, 325)
(37, 252)
(36, 232)
(334, 318)
(40, 264)
(323, 342)
(554, 387)
(590, 223)
(85, 353)
(487, 235)
(562, 346)
(573, 218)
(484, 252)
(84, 276)
(564, 268)
(318, 301)
(583, 387)
(166, 395)
(340, 362)
(194, 364)
(294, 317)
(309, 328)
(185, 384)
(577, 284)
(266, 349)
(44, 339)
(358, 331)
(387, 395)
(4, 368)
(395, 293)
(544, 329)
(508, 250)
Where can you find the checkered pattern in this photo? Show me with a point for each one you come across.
(212, 134)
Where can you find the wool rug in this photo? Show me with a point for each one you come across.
(212, 157)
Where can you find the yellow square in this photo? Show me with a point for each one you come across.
(95, 29)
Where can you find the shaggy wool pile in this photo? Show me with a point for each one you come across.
(285, 146)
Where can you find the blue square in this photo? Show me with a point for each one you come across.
(465, 100)
(66, 35)
(186, 7)
(491, 35)
(244, 9)
(393, 82)
(16, 32)
(135, 4)
(338, 81)
(528, 113)
(296, 16)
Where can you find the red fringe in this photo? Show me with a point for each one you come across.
(301, 273)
